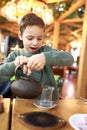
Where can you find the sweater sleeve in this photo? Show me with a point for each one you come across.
(7, 68)
(58, 58)
(6, 71)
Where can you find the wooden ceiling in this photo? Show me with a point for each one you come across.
(70, 28)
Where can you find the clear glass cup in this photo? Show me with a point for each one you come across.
(46, 96)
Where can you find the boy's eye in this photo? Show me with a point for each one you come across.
(39, 39)
(30, 38)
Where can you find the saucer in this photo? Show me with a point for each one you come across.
(41, 120)
(37, 104)
(78, 121)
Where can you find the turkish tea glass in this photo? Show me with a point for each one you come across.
(46, 96)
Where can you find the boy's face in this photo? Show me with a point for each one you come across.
(32, 38)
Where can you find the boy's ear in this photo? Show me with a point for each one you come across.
(19, 35)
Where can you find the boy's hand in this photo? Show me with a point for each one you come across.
(20, 60)
(36, 62)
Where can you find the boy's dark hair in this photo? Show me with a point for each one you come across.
(30, 20)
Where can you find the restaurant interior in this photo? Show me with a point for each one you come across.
(66, 29)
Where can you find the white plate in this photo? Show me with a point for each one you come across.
(78, 121)
(37, 104)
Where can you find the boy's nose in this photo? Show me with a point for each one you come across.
(35, 41)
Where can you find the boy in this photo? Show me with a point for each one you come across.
(34, 57)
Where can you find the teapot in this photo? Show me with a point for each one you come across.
(26, 87)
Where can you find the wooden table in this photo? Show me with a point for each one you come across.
(5, 116)
(64, 109)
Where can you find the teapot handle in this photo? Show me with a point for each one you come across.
(28, 76)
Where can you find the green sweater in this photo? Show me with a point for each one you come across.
(53, 58)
